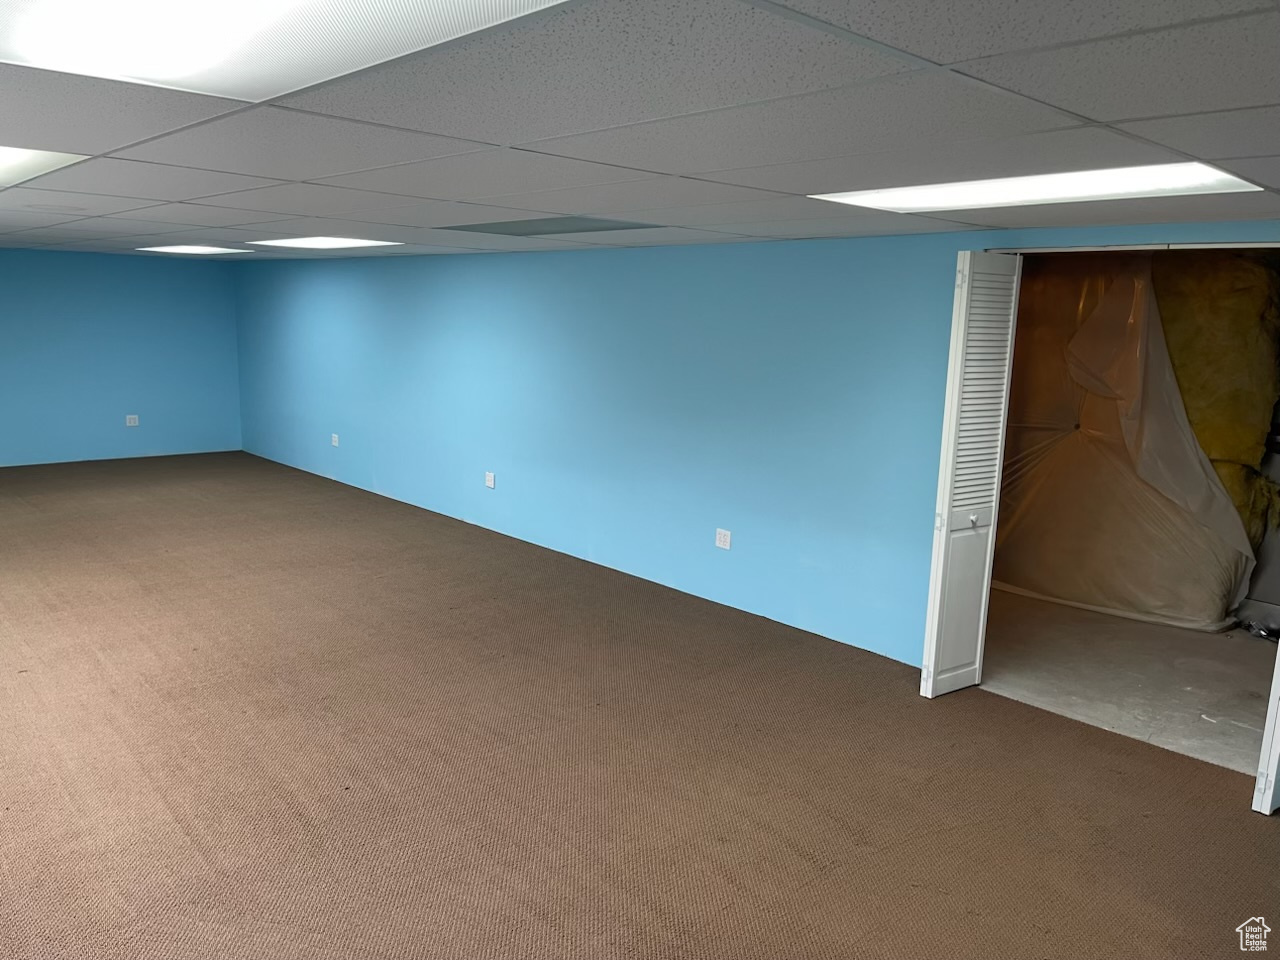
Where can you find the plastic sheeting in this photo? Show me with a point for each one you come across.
(1107, 500)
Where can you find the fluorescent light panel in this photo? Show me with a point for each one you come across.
(140, 38)
(1081, 186)
(193, 250)
(18, 164)
(246, 49)
(325, 243)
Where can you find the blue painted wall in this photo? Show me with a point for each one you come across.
(86, 339)
(631, 401)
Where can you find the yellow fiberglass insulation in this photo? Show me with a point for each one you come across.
(1221, 316)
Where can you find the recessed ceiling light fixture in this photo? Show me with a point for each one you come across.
(245, 49)
(143, 39)
(18, 164)
(325, 243)
(193, 250)
(1120, 183)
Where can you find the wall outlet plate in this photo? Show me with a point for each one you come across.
(131, 420)
(488, 480)
(723, 538)
(333, 439)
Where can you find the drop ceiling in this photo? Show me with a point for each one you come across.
(708, 121)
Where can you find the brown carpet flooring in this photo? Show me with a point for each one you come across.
(250, 713)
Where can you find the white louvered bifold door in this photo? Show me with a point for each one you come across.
(969, 478)
(1266, 796)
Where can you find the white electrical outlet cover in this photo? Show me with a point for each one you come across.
(333, 438)
(131, 420)
(723, 539)
(488, 480)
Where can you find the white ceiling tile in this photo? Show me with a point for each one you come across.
(1080, 148)
(632, 195)
(407, 250)
(131, 178)
(1213, 66)
(435, 251)
(268, 253)
(919, 110)
(114, 226)
(442, 213)
(177, 233)
(42, 110)
(61, 234)
(521, 244)
(287, 145)
(85, 246)
(1262, 170)
(495, 242)
(1232, 206)
(252, 51)
(599, 64)
(9, 242)
(272, 253)
(657, 236)
(1230, 133)
(11, 220)
(205, 215)
(56, 201)
(720, 214)
(320, 227)
(487, 174)
(306, 199)
(14, 241)
(329, 227)
(967, 29)
(872, 223)
(144, 251)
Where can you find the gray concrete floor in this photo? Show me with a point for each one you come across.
(1200, 694)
